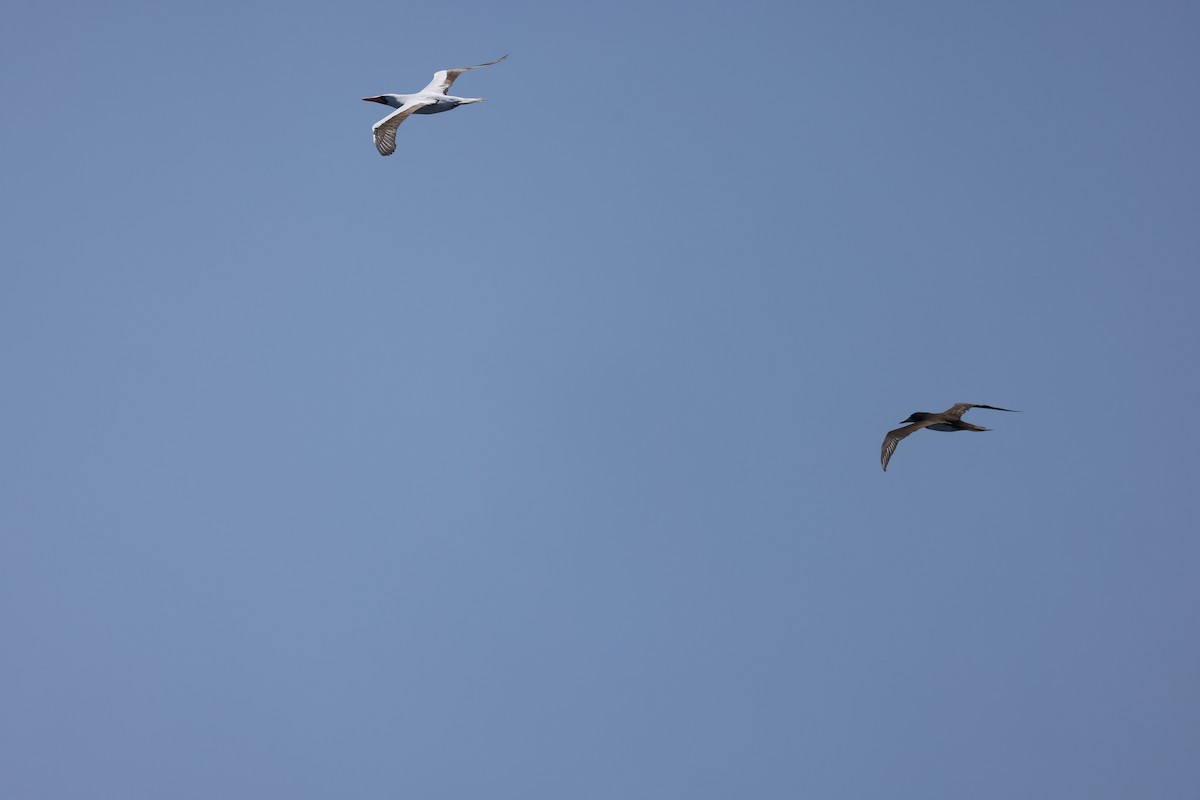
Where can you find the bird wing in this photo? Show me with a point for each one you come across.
(956, 411)
(385, 129)
(893, 438)
(444, 77)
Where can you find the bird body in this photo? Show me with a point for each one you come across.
(430, 104)
(949, 420)
(430, 100)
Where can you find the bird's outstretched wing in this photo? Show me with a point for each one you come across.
(893, 438)
(444, 77)
(385, 129)
(956, 411)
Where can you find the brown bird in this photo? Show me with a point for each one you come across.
(948, 420)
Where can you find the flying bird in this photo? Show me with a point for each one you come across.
(948, 420)
(430, 100)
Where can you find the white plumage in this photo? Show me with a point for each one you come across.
(430, 100)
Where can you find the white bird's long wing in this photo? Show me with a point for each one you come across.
(385, 129)
(444, 77)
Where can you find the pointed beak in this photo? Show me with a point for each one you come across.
(373, 99)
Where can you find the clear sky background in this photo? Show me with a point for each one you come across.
(541, 459)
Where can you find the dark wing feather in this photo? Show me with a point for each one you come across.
(443, 78)
(385, 129)
(956, 411)
(893, 438)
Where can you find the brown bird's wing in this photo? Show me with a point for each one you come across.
(444, 77)
(893, 438)
(956, 411)
(385, 129)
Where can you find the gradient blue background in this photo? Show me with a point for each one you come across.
(541, 459)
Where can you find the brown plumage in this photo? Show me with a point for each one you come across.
(948, 420)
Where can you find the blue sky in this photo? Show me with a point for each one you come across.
(540, 459)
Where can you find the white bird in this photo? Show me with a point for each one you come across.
(430, 100)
